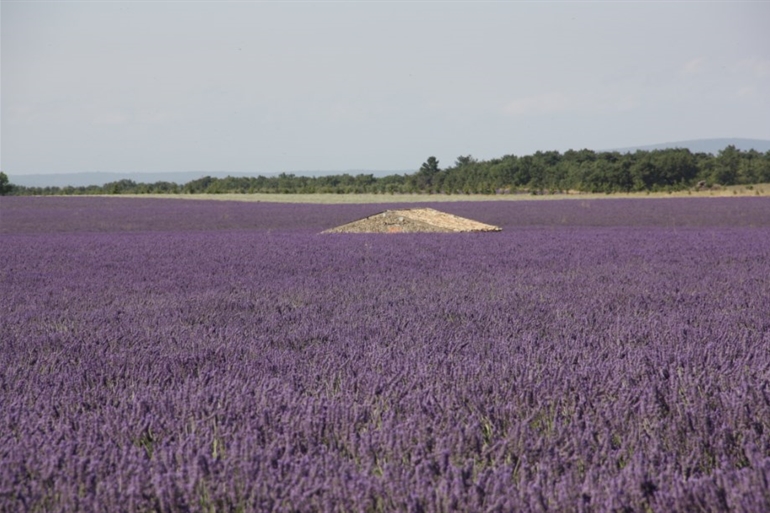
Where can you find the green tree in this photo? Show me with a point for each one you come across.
(430, 166)
(124, 186)
(198, 186)
(5, 185)
(750, 166)
(462, 161)
(727, 164)
(763, 172)
(425, 176)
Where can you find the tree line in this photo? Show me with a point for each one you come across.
(544, 172)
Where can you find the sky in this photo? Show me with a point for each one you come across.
(268, 87)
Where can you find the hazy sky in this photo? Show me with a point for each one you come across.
(264, 87)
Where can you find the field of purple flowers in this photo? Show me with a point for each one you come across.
(171, 355)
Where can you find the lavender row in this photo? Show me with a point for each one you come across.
(574, 368)
(110, 215)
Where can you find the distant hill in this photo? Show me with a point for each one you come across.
(96, 178)
(713, 146)
(180, 178)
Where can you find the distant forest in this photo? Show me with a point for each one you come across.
(541, 173)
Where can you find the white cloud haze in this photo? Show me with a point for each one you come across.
(694, 66)
(540, 104)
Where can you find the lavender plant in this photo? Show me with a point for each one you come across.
(165, 355)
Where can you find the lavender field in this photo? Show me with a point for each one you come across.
(169, 355)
